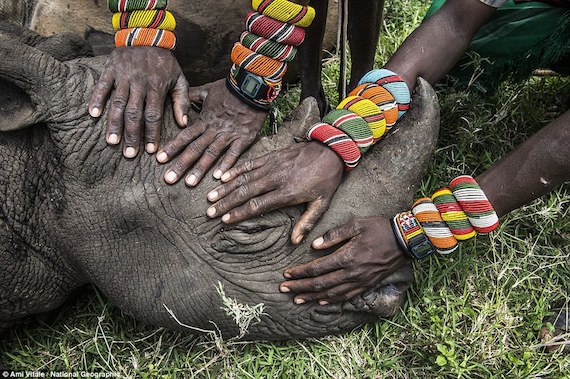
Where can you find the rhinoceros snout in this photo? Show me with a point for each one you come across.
(387, 298)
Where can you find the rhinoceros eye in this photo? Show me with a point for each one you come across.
(261, 234)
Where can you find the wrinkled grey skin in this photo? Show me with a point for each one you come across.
(203, 43)
(75, 211)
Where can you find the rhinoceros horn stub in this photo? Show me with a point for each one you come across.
(32, 85)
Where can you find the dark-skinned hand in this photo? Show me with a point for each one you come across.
(367, 254)
(303, 173)
(137, 80)
(226, 126)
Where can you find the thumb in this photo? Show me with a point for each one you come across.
(199, 94)
(309, 218)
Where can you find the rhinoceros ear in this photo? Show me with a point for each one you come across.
(31, 82)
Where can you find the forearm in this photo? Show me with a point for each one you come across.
(533, 169)
(438, 43)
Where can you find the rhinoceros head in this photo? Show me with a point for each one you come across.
(148, 246)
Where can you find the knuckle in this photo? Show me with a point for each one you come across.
(133, 115)
(318, 285)
(254, 204)
(152, 116)
(331, 293)
(212, 151)
(119, 102)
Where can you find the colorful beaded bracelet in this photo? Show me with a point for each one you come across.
(256, 63)
(353, 125)
(274, 30)
(155, 19)
(474, 203)
(145, 37)
(382, 98)
(394, 84)
(342, 144)
(285, 11)
(434, 227)
(133, 5)
(267, 47)
(453, 215)
(254, 90)
(368, 111)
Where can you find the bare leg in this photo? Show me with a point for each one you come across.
(310, 56)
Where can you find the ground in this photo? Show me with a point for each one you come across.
(474, 314)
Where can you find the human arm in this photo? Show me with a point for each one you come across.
(436, 45)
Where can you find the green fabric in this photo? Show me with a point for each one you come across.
(518, 39)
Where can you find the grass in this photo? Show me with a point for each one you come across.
(475, 314)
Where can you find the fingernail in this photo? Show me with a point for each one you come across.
(299, 239)
(211, 212)
(185, 120)
(299, 301)
(284, 289)
(95, 112)
(226, 176)
(226, 217)
(170, 177)
(287, 275)
(130, 152)
(218, 174)
(318, 242)
(113, 139)
(323, 302)
(161, 157)
(150, 148)
(212, 196)
(191, 180)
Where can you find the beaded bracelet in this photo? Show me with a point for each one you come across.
(145, 37)
(256, 63)
(353, 125)
(446, 218)
(154, 19)
(394, 84)
(453, 215)
(434, 227)
(368, 111)
(473, 201)
(382, 98)
(133, 5)
(254, 90)
(274, 30)
(285, 11)
(267, 47)
(342, 144)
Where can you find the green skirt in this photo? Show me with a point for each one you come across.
(518, 39)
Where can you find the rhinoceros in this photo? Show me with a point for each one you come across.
(75, 211)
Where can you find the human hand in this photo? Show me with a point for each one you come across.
(137, 80)
(224, 124)
(303, 173)
(368, 254)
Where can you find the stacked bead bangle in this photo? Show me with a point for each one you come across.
(260, 57)
(449, 216)
(143, 23)
(368, 113)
